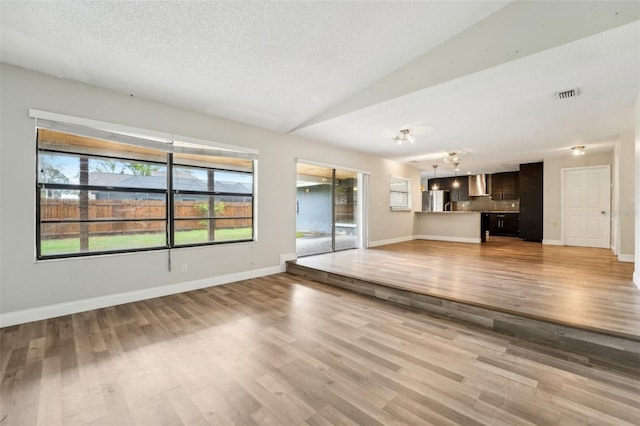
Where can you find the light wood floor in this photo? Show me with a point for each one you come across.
(281, 350)
(575, 286)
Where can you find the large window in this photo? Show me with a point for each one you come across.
(105, 196)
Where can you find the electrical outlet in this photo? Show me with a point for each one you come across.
(185, 267)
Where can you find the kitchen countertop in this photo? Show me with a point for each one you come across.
(500, 211)
(473, 211)
(450, 212)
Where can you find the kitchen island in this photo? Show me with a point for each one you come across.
(456, 226)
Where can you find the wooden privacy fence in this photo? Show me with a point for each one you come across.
(142, 212)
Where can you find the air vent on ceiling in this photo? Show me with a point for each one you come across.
(571, 93)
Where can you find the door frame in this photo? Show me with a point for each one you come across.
(563, 208)
(362, 240)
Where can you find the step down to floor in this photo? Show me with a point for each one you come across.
(601, 348)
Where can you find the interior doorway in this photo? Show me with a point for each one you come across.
(586, 206)
(328, 209)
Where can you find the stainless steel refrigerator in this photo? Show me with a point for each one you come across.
(435, 201)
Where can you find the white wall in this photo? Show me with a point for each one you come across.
(460, 227)
(623, 208)
(30, 290)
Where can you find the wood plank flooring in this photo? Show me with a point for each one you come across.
(282, 350)
(579, 287)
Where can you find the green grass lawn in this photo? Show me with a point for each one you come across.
(134, 241)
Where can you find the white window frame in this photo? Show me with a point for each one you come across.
(399, 185)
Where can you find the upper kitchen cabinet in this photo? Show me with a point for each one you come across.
(456, 193)
(441, 183)
(461, 191)
(505, 186)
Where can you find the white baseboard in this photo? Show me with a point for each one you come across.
(553, 242)
(636, 278)
(626, 258)
(474, 240)
(390, 241)
(67, 308)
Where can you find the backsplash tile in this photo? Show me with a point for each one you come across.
(486, 204)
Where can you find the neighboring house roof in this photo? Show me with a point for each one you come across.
(186, 182)
(243, 188)
(106, 179)
(141, 181)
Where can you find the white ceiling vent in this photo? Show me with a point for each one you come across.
(571, 93)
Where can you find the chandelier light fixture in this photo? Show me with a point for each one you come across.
(452, 158)
(404, 136)
(578, 150)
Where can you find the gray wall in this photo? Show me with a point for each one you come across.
(27, 284)
(552, 214)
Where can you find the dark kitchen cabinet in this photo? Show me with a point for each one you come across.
(460, 193)
(531, 187)
(505, 224)
(442, 183)
(504, 186)
(484, 226)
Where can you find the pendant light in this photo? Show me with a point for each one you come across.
(455, 183)
(435, 186)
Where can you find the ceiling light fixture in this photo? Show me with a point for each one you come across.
(578, 150)
(451, 158)
(404, 136)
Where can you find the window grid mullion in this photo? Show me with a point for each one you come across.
(170, 201)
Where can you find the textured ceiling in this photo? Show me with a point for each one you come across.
(508, 114)
(474, 76)
(272, 64)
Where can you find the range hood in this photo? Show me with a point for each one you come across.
(478, 185)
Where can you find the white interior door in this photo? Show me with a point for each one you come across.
(587, 200)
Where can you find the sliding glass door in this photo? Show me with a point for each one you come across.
(328, 213)
(345, 207)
